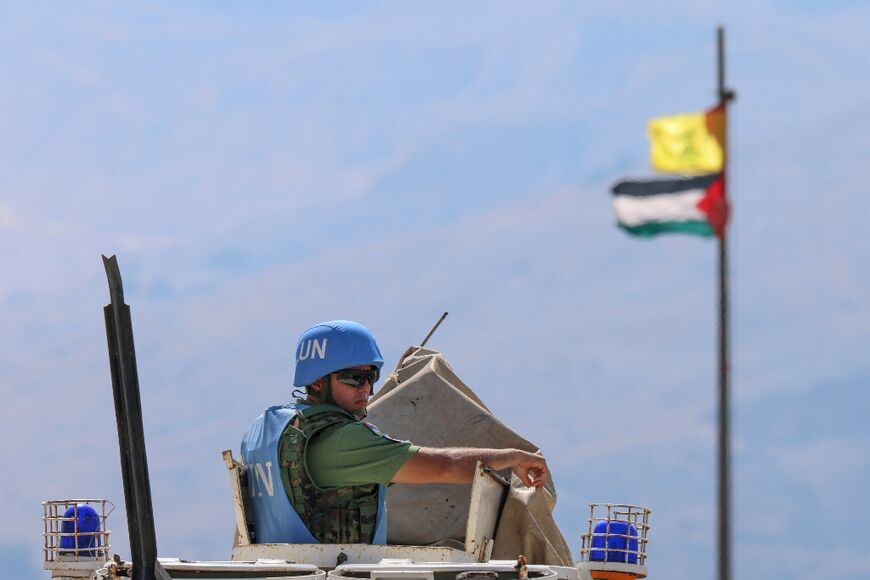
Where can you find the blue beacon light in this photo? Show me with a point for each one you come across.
(79, 529)
(614, 541)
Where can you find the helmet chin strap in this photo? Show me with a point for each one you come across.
(326, 390)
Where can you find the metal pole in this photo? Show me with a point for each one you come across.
(131, 435)
(724, 484)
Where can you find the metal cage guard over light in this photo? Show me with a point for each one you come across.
(75, 530)
(616, 533)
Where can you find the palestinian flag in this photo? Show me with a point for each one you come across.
(689, 142)
(694, 205)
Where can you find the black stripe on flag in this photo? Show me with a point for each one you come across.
(636, 188)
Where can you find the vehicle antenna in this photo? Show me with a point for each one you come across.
(434, 328)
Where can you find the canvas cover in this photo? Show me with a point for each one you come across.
(425, 402)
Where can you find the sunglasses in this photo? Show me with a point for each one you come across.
(357, 378)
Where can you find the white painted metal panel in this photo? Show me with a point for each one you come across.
(487, 496)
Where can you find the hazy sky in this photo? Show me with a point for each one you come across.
(261, 167)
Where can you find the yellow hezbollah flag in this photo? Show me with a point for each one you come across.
(688, 143)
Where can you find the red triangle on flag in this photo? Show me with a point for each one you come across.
(715, 206)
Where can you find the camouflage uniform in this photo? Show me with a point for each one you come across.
(339, 515)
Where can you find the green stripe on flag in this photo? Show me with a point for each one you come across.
(651, 229)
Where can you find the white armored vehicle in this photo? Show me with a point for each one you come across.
(490, 530)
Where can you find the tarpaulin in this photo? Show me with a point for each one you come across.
(425, 402)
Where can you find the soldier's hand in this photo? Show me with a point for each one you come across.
(531, 468)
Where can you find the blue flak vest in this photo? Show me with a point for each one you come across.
(275, 519)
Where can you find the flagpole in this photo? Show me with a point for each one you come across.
(724, 484)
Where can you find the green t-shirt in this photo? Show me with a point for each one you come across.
(355, 455)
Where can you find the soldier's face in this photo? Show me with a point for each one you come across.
(351, 398)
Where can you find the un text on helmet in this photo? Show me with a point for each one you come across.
(312, 348)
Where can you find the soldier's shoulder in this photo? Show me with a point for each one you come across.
(374, 429)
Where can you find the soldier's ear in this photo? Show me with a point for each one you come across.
(317, 385)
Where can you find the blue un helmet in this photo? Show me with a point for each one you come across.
(331, 346)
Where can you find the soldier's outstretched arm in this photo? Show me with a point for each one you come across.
(456, 465)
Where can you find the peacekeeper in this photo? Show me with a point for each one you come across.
(334, 468)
